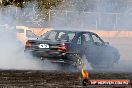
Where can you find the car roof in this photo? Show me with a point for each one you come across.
(77, 31)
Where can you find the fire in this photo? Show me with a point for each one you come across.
(84, 73)
(117, 82)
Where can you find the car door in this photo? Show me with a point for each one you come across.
(98, 47)
(79, 44)
(90, 51)
(86, 45)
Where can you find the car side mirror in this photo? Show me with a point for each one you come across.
(106, 43)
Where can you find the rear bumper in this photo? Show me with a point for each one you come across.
(40, 53)
(51, 56)
(55, 60)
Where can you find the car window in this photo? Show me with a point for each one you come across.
(71, 35)
(86, 39)
(45, 35)
(96, 39)
(30, 34)
(66, 36)
(59, 35)
(52, 35)
(79, 40)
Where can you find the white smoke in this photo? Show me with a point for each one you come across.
(74, 14)
(12, 54)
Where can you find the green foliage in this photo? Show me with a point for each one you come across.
(18, 3)
(48, 4)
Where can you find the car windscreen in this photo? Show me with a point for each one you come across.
(30, 34)
(59, 35)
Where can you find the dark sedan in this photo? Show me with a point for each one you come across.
(64, 46)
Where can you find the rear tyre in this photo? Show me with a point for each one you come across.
(75, 60)
(75, 63)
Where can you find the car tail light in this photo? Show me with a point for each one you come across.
(28, 45)
(61, 47)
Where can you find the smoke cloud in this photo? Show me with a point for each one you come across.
(12, 54)
(11, 49)
(74, 14)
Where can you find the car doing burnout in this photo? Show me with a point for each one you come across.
(63, 46)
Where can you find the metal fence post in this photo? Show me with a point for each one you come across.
(49, 15)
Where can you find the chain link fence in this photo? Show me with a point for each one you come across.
(91, 20)
(66, 18)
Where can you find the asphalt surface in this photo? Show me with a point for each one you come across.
(46, 79)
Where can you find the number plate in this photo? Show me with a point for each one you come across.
(43, 46)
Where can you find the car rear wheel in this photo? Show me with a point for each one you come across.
(75, 63)
(76, 60)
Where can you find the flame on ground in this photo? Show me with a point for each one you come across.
(84, 73)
